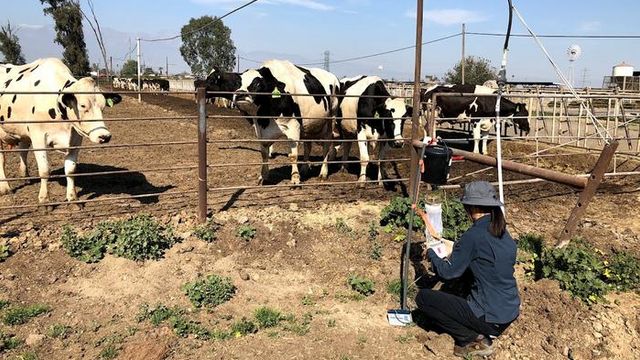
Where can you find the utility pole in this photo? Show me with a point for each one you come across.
(167, 67)
(139, 72)
(327, 60)
(238, 64)
(463, 60)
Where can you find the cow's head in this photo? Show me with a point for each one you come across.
(221, 81)
(87, 107)
(521, 118)
(395, 112)
(259, 81)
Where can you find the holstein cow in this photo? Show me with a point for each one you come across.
(20, 113)
(480, 109)
(277, 113)
(369, 114)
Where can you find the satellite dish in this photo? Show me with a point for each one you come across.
(573, 52)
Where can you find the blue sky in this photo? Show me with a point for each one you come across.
(303, 29)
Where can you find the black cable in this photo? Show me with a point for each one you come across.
(204, 26)
(558, 36)
(370, 55)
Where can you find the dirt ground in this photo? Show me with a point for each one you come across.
(298, 262)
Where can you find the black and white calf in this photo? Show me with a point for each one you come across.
(369, 114)
(479, 109)
(306, 115)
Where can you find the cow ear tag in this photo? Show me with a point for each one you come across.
(110, 102)
(275, 94)
(376, 115)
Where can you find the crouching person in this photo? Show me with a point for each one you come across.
(489, 252)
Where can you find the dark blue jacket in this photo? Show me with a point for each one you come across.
(494, 293)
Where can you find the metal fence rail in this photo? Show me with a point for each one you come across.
(555, 124)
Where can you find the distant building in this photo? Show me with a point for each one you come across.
(622, 77)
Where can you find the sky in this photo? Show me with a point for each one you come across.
(302, 30)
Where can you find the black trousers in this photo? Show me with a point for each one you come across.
(452, 315)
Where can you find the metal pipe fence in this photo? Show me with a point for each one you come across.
(567, 130)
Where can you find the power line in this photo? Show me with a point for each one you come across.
(367, 56)
(386, 52)
(202, 27)
(560, 36)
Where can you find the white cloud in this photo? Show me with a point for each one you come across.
(30, 26)
(590, 26)
(309, 4)
(449, 16)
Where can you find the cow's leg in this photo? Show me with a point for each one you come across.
(382, 173)
(23, 169)
(326, 152)
(264, 172)
(364, 157)
(345, 155)
(43, 169)
(307, 154)
(70, 162)
(293, 157)
(4, 185)
(476, 137)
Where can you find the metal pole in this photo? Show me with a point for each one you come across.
(202, 155)
(139, 70)
(413, 178)
(167, 65)
(463, 60)
(238, 64)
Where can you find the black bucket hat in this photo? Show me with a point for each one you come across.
(480, 193)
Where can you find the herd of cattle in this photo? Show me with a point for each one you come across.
(131, 84)
(280, 99)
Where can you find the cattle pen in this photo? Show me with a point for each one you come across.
(559, 130)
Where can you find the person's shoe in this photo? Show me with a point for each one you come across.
(480, 347)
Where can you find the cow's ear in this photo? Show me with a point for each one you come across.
(69, 100)
(281, 85)
(409, 111)
(112, 99)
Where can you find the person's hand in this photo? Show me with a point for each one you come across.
(421, 166)
(414, 207)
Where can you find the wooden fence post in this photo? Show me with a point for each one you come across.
(202, 155)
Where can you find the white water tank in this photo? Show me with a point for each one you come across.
(622, 69)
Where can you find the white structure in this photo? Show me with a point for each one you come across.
(622, 69)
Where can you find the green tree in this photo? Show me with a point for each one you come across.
(68, 19)
(10, 45)
(477, 70)
(129, 69)
(206, 42)
(148, 71)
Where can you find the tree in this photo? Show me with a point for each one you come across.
(476, 72)
(97, 31)
(129, 69)
(148, 71)
(68, 19)
(206, 42)
(10, 45)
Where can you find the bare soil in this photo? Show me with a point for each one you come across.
(298, 253)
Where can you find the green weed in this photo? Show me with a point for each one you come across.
(210, 292)
(246, 232)
(267, 317)
(21, 315)
(59, 331)
(361, 285)
(207, 232)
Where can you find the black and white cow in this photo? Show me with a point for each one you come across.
(480, 109)
(276, 113)
(60, 115)
(369, 114)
